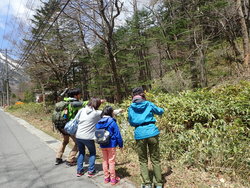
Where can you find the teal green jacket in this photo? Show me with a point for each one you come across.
(141, 116)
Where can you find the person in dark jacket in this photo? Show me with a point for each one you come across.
(141, 116)
(109, 151)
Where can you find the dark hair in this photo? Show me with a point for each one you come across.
(73, 92)
(137, 91)
(94, 103)
(108, 111)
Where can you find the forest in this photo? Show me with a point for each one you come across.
(169, 46)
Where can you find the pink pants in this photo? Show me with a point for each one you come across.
(108, 163)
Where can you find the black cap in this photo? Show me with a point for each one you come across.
(137, 91)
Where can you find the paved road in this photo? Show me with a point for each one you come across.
(26, 161)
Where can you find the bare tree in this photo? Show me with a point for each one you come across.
(98, 17)
(245, 34)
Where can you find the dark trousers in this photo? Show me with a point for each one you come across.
(151, 146)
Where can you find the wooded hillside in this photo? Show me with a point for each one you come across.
(171, 45)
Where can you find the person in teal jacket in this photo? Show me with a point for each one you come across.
(141, 116)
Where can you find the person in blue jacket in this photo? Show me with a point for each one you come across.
(109, 151)
(141, 116)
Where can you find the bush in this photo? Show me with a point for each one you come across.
(28, 108)
(29, 96)
(208, 129)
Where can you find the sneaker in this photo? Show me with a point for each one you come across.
(90, 174)
(146, 186)
(58, 161)
(115, 181)
(79, 174)
(106, 180)
(70, 163)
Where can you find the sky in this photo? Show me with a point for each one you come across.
(12, 12)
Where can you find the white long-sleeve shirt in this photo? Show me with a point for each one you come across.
(88, 119)
(86, 126)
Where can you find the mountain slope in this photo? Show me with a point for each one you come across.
(16, 73)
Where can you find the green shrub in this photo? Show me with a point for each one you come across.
(28, 108)
(207, 129)
(29, 96)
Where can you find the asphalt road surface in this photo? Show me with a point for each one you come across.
(27, 161)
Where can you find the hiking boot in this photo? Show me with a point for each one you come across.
(91, 174)
(115, 181)
(70, 163)
(79, 174)
(58, 161)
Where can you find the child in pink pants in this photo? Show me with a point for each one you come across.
(109, 150)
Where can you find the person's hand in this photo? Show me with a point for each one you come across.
(120, 110)
(117, 111)
(103, 100)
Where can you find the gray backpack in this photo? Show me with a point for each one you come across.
(102, 136)
(60, 114)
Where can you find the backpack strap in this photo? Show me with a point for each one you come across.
(72, 111)
(106, 128)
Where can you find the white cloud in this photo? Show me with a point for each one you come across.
(4, 7)
(128, 4)
(1, 25)
(18, 21)
(22, 9)
(127, 10)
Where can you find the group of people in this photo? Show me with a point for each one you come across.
(140, 115)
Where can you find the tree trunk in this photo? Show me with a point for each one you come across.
(141, 53)
(194, 74)
(114, 71)
(160, 59)
(44, 96)
(244, 34)
(85, 82)
(202, 68)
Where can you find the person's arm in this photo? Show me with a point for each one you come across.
(76, 104)
(118, 135)
(118, 111)
(157, 110)
(130, 117)
(84, 103)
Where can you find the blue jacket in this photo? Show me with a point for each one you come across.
(115, 136)
(141, 116)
